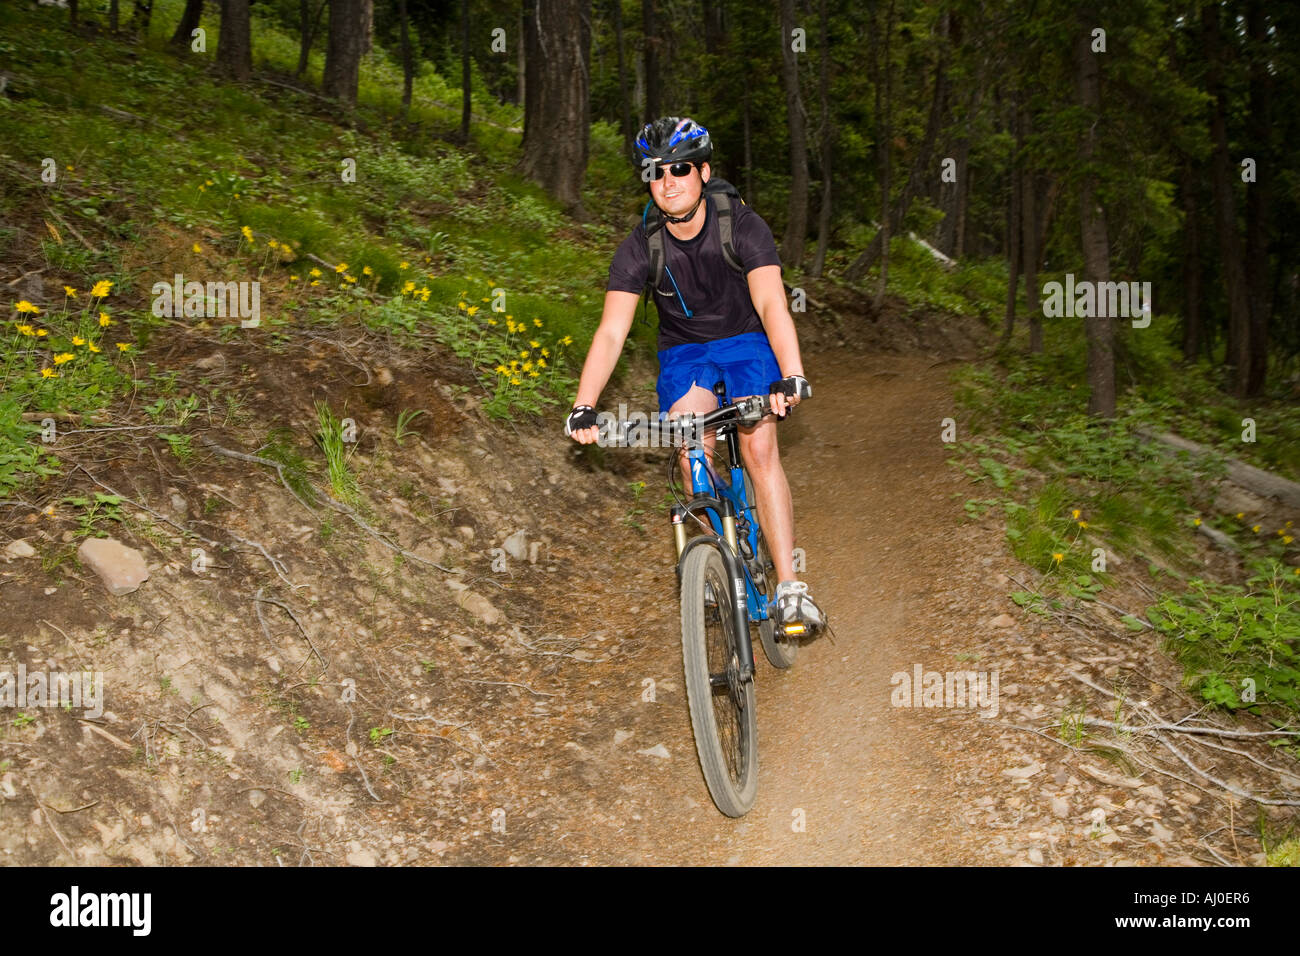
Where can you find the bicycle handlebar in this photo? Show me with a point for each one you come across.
(747, 411)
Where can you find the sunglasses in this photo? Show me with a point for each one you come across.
(678, 170)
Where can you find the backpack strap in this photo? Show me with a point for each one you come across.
(726, 215)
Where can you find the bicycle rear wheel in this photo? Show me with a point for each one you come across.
(722, 707)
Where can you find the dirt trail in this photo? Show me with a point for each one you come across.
(875, 513)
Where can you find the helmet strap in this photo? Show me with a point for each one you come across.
(689, 215)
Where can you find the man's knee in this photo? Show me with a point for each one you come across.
(760, 449)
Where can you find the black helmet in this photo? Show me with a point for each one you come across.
(674, 139)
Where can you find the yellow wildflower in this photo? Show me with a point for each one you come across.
(123, 346)
(534, 343)
(462, 304)
(523, 355)
(341, 267)
(471, 310)
(248, 234)
(485, 299)
(567, 340)
(541, 363)
(516, 381)
(69, 291)
(1075, 514)
(1287, 539)
(49, 373)
(1241, 514)
(78, 340)
(492, 321)
(272, 244)
(104, 320)
(63, 357)
(315, 281)
(1256, 528)
(537, 322)
(25, 306)
(533, 374)
(403, 264)
(546, 353)
(208, 182)
(366, 271)
(314, 273)
(92, 346)
(408, 287)
(196, 248)
(1058, 557)
(41, 332)
(1196, 522)
(26, 330)
(350, 278)
(1083, 524)
(528, 366)
(293, 278)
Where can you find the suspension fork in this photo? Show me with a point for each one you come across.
(739, 603)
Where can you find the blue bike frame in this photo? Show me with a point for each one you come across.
(729, 512)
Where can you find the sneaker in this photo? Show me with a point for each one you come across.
(793, 605)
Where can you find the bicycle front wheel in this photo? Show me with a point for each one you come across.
(721, 705)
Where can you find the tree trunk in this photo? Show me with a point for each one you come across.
(1029, 238)
(235, 44)
(1192, 334)
(714, 31)
(1225, 213)
(885, 158)
(367, 25)
(796, 230)
(408, 61)
(308, 26)
(556, 124)
(343, 51)
(112, 15)
(190, 19)
(828, 145)
(649, 29)
(749, 157)
(141, 14)
(1014, 227)
(522, 62)
(1100, 330)
(624, 106)
(1258, 200)
(465, 92)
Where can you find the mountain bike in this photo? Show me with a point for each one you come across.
(726, 578)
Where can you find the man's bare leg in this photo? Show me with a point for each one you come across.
(775, 504)
(698, 401)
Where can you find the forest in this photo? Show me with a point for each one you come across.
(297, 294)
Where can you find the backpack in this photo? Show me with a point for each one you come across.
(724, 197)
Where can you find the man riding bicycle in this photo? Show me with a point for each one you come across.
(714, 324)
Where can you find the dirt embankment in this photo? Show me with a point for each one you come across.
(317, 697)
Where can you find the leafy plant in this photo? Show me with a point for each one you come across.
(337, 453)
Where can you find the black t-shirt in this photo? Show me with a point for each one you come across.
(716, 294)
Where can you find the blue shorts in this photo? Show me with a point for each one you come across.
(745, 362)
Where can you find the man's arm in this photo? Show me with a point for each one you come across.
(768, 295)
(606, 346)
